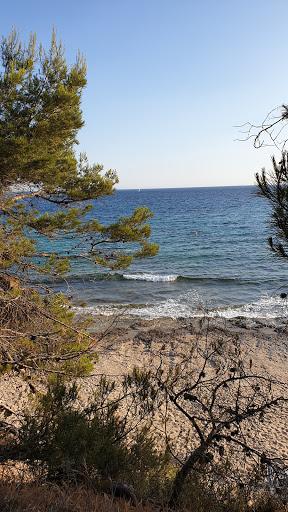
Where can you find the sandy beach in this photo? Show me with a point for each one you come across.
(129, 342)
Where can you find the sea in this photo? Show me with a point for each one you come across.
(213, 259)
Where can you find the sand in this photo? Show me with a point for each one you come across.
(131, 341)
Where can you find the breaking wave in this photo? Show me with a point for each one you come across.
(190, 305)
(269, 307)
(151, 277)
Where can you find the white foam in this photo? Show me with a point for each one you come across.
(186, 305)
(190, 305)
(265, 307)
(151, 277)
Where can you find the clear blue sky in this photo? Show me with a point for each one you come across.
(168, 80)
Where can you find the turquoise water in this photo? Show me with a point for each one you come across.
(213, 255)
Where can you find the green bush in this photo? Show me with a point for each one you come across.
(68, 443)
(94, 447)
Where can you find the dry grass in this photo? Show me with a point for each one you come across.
(40, 498)
(46, 498)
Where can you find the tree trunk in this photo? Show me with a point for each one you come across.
(182, 474)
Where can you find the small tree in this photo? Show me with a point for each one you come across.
(45, 194)
(63, 440)
(214, 390)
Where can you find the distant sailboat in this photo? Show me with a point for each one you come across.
(139, 189)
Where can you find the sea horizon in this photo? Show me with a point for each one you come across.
(184, 188)
(213, 258)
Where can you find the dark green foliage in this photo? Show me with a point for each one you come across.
(69, 443)
(73, 443)
(274, 187)
(40, 116)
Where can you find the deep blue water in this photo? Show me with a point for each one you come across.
(213, 253)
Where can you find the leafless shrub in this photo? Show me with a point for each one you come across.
(218, 395)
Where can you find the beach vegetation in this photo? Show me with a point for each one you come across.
(26, 497)
(68, 448)
(273, 184)
(65, 442)
(219, 401)
(47, 192)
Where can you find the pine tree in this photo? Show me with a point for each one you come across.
(40, 116)
(274, 187)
